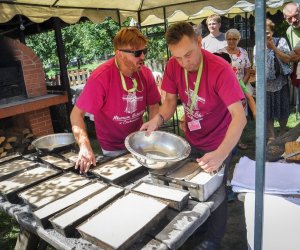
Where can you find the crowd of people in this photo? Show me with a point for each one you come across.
(213, 92)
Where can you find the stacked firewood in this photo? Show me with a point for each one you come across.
(15, 140)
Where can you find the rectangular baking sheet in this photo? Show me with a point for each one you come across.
(13, 167)
(43, 213)
(116, 170)
(66, 221)
(26, 179)
(53, 189)
(176, 199)
(123, 221)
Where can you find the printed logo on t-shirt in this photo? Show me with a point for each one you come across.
(131, 100)
(198, 99)
(196, 114)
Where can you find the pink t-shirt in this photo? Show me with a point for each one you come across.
(218, 89)
(117, 113)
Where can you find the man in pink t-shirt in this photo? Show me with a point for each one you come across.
(117, 94)
(211, 97)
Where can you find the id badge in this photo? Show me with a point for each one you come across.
(194, 125)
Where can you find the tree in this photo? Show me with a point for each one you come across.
(44, 46)
(89, 42)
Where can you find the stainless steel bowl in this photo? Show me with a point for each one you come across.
(54, 142)
(159, 150)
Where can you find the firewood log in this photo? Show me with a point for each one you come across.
(12, 139)
(2, 139)
(7, 146)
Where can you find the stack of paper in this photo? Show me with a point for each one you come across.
(280, 178)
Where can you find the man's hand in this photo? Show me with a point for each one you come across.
(86, 158)
(153, 124)
(211, 161)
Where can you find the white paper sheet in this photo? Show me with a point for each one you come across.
(280, 178)
(281, 223)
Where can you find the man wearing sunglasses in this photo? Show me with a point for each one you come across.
(214, 114)
(117, 93)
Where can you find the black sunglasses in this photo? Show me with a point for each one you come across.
(136, 53)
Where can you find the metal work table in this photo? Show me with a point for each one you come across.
(170, 233)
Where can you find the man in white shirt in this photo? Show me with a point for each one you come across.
(215, 40)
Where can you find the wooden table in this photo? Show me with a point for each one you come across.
(170, 233)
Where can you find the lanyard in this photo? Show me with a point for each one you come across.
(135, 84)
(199, 74)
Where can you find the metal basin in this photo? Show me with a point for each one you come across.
(49, 143)
(159, 150)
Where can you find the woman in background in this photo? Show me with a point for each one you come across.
(240, 63)
(278, 98)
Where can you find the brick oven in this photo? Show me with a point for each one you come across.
(25, 101)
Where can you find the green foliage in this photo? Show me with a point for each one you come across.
(86, 41)
(156, 43)
(44, 46)
(280, 29)
(9, 230)
(90, 43)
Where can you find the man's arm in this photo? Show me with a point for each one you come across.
(213, 160)
(86, 156)
(153, 110)
(166, 111)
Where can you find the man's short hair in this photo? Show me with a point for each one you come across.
(213, 17)
(129, 36)
(176, 32)
(287, 8)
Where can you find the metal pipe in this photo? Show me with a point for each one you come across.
(63, 66)
(260, 41)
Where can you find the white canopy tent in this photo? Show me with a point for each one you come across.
(151, 12)
(146, 12)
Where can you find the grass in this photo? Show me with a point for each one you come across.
(9, 230)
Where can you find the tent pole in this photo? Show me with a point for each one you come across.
(166, 26)
(63, 67)
(21, 31)
(119, 18)
(260, 154)
(246, 28)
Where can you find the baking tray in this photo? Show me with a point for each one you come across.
(176, 199)
(52, 189)
(42, 214)
(91, 204)
(133, 214)
(57, 161)
(118, 169)
(15, 166)
(9, 157)
(10, 187)
(71, 156)
(200, 192)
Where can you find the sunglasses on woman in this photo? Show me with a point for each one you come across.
(136, 53)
